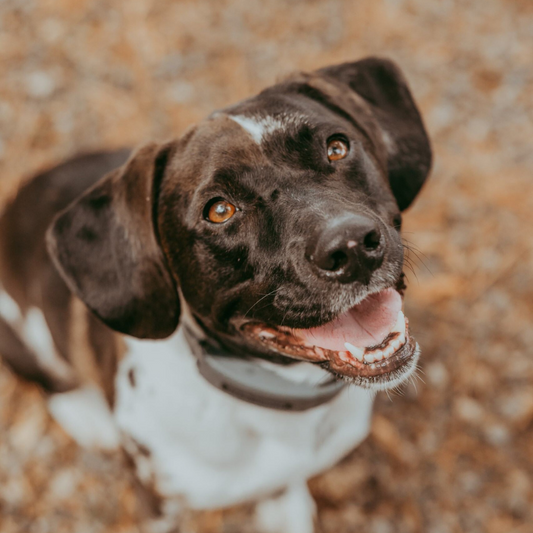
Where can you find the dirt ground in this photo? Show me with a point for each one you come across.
(451, 453)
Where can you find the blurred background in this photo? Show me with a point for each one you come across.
(453, 453)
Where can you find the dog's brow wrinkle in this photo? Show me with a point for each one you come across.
(259, 127)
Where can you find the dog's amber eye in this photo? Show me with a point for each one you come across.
(337, 150)
(220, 211)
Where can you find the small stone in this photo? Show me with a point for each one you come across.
(469, 410)
(40, 84)
(181, 92)
(64, 483)
(497, 435)
(380, 525)
(437, 374)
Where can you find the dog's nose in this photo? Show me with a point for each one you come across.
(348, 249)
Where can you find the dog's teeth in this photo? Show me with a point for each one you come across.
(400, 323)
(345, 356)
(395, 344)
(369, 357)
(358, 353)
(320, 352)
(264, 334)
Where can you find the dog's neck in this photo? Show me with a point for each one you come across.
(296, 387)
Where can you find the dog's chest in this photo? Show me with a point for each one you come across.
(193, 441)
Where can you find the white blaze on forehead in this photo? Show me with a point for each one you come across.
(259, 127)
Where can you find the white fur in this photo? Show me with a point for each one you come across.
(294, 511)
(9, 310)
(260, 127)
(213, 450)
(83, 413)
(37, 336)
(299, 372)
(33, 329)
(85, 416)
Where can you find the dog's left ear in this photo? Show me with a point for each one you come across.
(107, 249)
(382, 86)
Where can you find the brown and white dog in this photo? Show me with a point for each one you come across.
(272, 228)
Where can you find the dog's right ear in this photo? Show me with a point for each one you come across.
(106, 247)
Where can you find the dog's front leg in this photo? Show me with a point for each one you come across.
(293, 511)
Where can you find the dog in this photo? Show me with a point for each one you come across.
(223, 306)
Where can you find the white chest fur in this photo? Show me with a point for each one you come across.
(214, 450)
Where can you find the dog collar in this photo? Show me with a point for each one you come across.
(245, 379)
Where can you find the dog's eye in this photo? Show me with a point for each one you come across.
(219, 211)
(337, 149)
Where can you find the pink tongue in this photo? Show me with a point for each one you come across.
(366, 324)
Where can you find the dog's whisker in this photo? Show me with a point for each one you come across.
(409, 262)
(413, 381)
(261, 299)
(417, 372)
(411, 268)
(388, 395)
(420, 257)
(415, 248)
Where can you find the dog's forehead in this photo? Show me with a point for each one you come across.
(240, 135)
(274, 112)
(260, 126)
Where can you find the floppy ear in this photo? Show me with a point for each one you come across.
(381, 84)
(106, 247)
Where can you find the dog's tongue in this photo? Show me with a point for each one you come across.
(366, 324)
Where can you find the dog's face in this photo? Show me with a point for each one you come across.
(277, 219)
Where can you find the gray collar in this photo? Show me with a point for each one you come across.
(246, 380)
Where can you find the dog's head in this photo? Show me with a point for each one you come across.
(277, 219)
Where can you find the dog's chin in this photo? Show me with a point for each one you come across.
(369, 345)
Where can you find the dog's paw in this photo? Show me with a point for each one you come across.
(294, 511)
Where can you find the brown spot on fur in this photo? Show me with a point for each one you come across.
(131, 377)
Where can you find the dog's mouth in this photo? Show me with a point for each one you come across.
(369, 344)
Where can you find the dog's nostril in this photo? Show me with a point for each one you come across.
(372, 240)
(338, 260)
